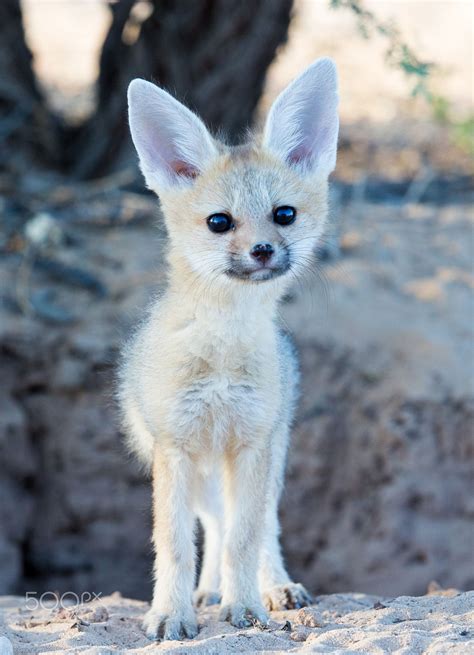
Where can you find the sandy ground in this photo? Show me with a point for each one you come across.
(441, 622)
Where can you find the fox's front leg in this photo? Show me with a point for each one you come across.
(245, 493)
(172, 615)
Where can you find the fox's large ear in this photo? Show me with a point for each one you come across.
(303, 123)
(173, 144)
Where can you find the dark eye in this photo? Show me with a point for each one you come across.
(284, 215)
(219, 222)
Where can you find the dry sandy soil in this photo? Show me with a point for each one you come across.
(440, 623)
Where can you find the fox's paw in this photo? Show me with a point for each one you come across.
(170, 626)
(244, 615)
(204, 598)
(289, 596)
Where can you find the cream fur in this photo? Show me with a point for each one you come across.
(208, 382)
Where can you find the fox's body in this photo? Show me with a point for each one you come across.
(208, 383)
(209, 376)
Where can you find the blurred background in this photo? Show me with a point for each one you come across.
(379, 496)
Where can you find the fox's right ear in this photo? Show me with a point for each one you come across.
(172, 143)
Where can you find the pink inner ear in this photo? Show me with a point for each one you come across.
(299, 155)
(183, 169)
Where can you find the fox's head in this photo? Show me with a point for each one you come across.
(248, 213)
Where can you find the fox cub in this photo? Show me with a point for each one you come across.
(208, 383)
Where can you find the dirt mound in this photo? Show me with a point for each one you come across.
(378, 496)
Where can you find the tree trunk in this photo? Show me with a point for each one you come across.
(26, 126)
(212, 54)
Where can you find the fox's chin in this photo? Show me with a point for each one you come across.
(261, 274)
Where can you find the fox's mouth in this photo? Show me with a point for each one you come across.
(258, 273)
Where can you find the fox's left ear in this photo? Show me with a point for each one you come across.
(303, 123)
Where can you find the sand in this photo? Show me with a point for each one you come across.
(441, 622)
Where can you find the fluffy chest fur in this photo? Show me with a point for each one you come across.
(208, 378)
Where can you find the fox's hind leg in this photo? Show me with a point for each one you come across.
(278, 590)
(209, 509)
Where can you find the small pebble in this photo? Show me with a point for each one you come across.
(96, 615)
(300, 633)
(309, 617)
(43, 230)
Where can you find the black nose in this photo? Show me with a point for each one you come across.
(262, 251)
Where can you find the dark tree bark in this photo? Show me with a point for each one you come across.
(212, 54)
(27, 128)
